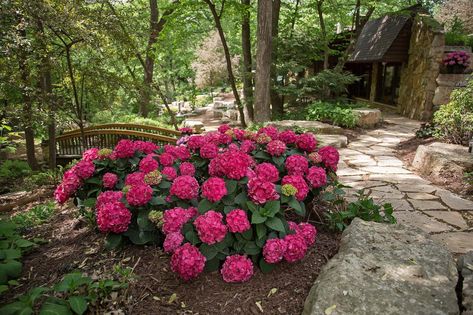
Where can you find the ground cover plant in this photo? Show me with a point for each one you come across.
(215, 201)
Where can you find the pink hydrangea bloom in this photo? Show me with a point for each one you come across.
(247, 146)
(299, 183)
(209, 151)
(191, 213)
(149, 164)
(172, 241)
(136, 178)
(225, 139)
(187, 168)
(109, 180)
(306, 142)
(214, 189)
(187, 261)
(174, 219)
(196, 141)
(308, 232)
(182, 153)
(316, 177)
(261, 191)
(237, 221)
(330, 157)
(263, 138)
(69, 185)
(296, 165)
(224, 128)
(84, 169)
(276, 148)
(139, 195)
(296, 247)
(166, 159)
(239, 134)
(147, 147)
(288, 136)
(113, 217)
(271, 131)
(232, 164)
(108, 196)
(267, 172)
(237, 268)
(273, 250)
(60, 194)
(210, 227)
(124, 149)
(185, 187)
(91, 154)
(169, 172)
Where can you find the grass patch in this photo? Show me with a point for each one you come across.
(35, 216)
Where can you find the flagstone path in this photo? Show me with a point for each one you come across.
(369, 163)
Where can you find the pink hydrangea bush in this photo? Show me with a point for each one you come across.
(217, 200)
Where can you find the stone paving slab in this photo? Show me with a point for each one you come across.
(369, 163)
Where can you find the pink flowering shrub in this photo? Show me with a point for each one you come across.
(217, 200)
(456, 58)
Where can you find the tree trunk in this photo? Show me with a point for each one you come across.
(324, 33)
(294, 17)
(276, 99)
(28, 103)
(246, 48)
(47, 99)
(149, 60)
(263, 62)
(228, 59)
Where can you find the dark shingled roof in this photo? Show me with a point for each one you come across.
(376, 38)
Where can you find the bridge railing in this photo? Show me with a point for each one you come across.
(128, 126)
(69, 144)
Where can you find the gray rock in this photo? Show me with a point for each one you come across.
(385, 269)
(338, 141)
(465, 267)
(368, 117)
(313, 126)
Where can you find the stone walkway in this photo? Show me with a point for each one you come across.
(369, 162)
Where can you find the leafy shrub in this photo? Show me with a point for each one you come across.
(338, 113)
(223, 194)
(46, 178)
(73, 295)
(364, 208)
(35, 216)
(13, 169)
(12, 246)
(426, 130)
(454, 120)
(469, 178)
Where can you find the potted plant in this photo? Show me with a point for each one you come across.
(456, 61)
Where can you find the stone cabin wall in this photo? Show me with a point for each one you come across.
(418, 76)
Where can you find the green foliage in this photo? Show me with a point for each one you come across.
(107, 116)
(469, 178)
(12, 246)
(340, 114)
(426, 130)
(457, 36)
(35, 216)
(454, 121)
(73, 295)
(46, 178)
(364, 208)
(14, 169)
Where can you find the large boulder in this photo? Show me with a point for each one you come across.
(197, 125)
(385, 269)
(465, 268)
(368, 117)
(442, 158)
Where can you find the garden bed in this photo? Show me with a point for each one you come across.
(74, 246)
(406, 151)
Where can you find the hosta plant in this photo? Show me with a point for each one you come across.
(218, 200)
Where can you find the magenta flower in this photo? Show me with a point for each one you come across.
(139, 195)
(237, 221)
(330, 157)
(299, 183)
(109, 180)
(210, 227)
(149, 164)
(185, 187)
(316, 177)
(261, 191)
(296, 247)
(306, 142)
(273, 250)
(276, 148)
(172, 242)
(113, 217)
(237, 268)
(187, 168)
(214, 189)
(296, 165)
(187, 261)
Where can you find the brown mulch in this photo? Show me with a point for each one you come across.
(73, 245)
(406, 151)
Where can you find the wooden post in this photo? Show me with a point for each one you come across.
(374, 81)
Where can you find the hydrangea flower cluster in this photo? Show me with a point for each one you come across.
(222, 192)
(459, 57)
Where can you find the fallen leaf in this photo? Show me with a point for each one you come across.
(156, 298)
(183, 305)
(272, 291)
(172, 298)
(329, 310)
(258, 303)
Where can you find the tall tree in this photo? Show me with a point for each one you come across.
(323, 31)
(263, 61)
(247, 64)
(231, 77)
(277, 100)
